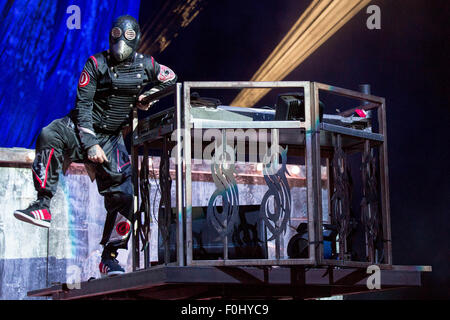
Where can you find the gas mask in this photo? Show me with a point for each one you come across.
(124, 38)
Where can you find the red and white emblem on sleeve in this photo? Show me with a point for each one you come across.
(165, 73)
(84, 79)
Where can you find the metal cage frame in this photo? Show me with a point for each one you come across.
(312, 127)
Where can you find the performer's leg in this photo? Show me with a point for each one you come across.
(51, 144)
(114, 183)
(47, 163)
(117, 229)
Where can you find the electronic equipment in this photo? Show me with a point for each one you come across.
(291, 106)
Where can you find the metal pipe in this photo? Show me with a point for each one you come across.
(179, 179)
(135, 176)
(188, 171)
(310, 187)
(146, 246)
(365, 88)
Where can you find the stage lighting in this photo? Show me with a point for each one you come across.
(316, 25)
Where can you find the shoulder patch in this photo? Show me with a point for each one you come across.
(84, 79)
(165, 74)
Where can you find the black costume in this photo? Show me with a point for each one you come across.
(108, 89)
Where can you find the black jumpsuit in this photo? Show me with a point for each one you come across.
(106, 95)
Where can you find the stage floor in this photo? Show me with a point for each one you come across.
(174, 282)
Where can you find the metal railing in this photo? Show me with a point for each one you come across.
(177, 142)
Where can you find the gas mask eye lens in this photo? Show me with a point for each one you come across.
(130, 34)
(116, 32)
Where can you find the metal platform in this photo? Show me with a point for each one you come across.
(173, 282)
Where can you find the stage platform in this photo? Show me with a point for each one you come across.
(173, 282)
(309, 223)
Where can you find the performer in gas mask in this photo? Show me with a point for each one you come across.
(110, 85)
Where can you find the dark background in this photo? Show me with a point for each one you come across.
(406, 62)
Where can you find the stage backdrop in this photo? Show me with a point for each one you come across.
(43, 48)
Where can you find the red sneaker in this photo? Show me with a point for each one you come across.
(36, 214)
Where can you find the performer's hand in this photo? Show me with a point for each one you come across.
(145, 107)
(96, 154)
(141, 106)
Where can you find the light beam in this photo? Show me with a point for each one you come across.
(318, 23)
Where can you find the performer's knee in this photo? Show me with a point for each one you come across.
(127, 198)
(118, 199)
(46, 138)
(122, 197)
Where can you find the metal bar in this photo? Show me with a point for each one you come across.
(384, 177)
(188, 170)
(328, 186)
(363, 172)
(362, 264)
(275, 142)
(353, 264)
(217, 124)
(370, 249)
(245, 84)
(165, 195)
(309, 161)
(317, 174)
(342, 169)
(352, 132)
(252, 262)
(224, 153)
(179, 175)
(411, 268)
(135, 166)
(146, 245)
(364, 88)
(348, 93)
